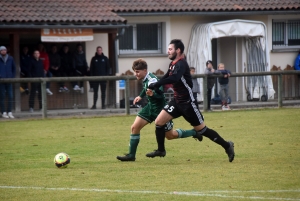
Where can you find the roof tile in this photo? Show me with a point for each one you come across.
(105, 11)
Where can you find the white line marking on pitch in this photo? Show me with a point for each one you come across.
(201, 194)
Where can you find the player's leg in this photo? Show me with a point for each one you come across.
(166, 115)
(136, 127)
(143, 118)
(180, 133)
(203, 130)
(172, 134)
(192, 115)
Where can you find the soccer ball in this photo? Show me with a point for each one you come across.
(62, 160)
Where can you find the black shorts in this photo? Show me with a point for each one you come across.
(188, 110)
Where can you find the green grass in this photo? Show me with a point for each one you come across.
(267, 146)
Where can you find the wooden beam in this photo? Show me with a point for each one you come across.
(112, 52)
(23, 31)
(14, 41)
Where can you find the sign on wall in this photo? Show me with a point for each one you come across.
(66, 35)
(121, 84)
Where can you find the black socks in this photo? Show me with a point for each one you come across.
(160, 137)
(214, 136)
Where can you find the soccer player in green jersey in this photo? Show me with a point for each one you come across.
(156, 102)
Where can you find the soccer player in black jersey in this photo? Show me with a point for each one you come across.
(183, 104)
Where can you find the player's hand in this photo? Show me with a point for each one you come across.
(149, 92)
(151, 86)
(137, 99)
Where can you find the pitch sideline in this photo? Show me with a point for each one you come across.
(200, 194)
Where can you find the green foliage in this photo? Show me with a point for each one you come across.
(266, 145)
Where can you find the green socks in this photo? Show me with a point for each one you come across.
(134, 141)
(185, 133)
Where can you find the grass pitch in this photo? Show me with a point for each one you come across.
(266, 166)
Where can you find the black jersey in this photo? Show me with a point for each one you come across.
(179, 75)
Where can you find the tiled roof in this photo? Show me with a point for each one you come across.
(57, 11)
(106, 11)
(201, 5)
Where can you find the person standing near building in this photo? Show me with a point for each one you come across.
(45, 58)
(224, 87)
(81, 67)
(209, 70)
(183, 104)
(25, 60)
(55, 67)
(36, 69)
(99, 67)
(66, 62)
(7, 70)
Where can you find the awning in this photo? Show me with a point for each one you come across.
(200, 50)
(66, 35)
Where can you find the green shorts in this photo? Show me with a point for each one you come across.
(150, 115)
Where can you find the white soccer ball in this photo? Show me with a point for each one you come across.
(62, 160)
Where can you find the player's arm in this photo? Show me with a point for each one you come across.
(140, 97)
(155, 94)
(175, 77)
(137, 99)
(143, 93)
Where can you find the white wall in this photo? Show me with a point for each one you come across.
(99, 40)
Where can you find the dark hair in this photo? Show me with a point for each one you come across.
(98, 48)
(208, 62)
(139, 64)
(192, 68)
(178, 44)
(78, 45)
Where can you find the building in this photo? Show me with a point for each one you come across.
(128, 30)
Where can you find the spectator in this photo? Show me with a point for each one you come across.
(196, 88)
(45, 58)
(99, 67)
(223, 81)
(25, 61)
(210, 82)
(80, 66)
(7, 70)
(55, 67)
(36, 69)
(66, 61)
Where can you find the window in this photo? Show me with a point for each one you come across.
(141, 38)
(285, 34)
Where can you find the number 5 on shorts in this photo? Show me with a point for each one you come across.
(171, 109)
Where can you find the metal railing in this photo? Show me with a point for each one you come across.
(128, 78)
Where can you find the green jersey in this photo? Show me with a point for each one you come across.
(155, 103)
